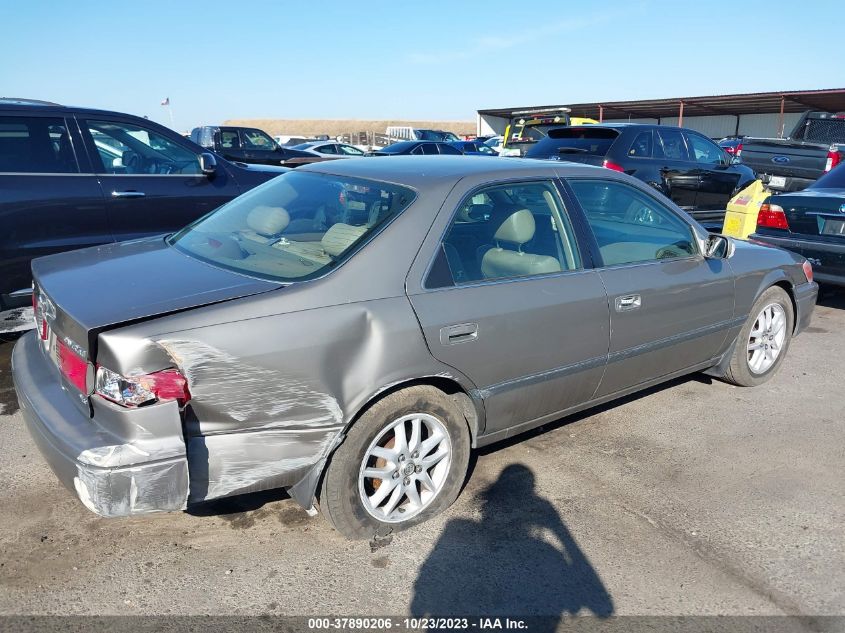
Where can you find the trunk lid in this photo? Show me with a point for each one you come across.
(816, 212)
(81, 293)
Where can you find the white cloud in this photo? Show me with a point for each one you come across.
(520, 35)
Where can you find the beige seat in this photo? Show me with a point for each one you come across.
(340, 237)
(266, 223)
(517, 229)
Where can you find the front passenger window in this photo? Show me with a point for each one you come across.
(515, 230)
(125, 148)
(630, 226)
(705, 151)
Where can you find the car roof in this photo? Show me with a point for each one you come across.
(15, 104)
(416, 171)
(315, 143)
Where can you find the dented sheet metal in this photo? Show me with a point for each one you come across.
(227, 386)
(284, 427)
(142, 489)
(122, 462)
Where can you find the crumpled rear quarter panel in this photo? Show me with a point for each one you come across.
(271, 396)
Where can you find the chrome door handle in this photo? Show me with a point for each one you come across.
(628, 302)
(127, 194)
(460, 333)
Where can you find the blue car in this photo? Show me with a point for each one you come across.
(474, 148)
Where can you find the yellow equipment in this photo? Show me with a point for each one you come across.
(741, 217)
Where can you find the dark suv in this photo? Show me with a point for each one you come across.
(74, 177)
(698, 175)
(250, 145)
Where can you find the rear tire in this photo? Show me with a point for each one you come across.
(763, 342)
(418, 440)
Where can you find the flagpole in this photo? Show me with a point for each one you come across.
(166, 104)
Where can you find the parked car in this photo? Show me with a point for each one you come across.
(356, 353)
(685, 166)
(329, 149)
(131, 178)
(732, 145)
(249, 145)
(290, 141)
(811, 223)
(474, 148)
(419, 134)
(415, 148)
(495, 143)
(814, 147)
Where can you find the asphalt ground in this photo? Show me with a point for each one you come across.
(693, 498)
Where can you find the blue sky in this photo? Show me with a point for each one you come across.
(432, 59)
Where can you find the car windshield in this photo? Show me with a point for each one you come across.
(834, 179)
(294, 227)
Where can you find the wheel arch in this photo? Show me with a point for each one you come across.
(472, 409)
(788, 286)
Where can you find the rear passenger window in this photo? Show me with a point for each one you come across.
(36, 145)
(641, 147)
(514, 230)
(672, 143)
(631, 226)
(448, 149)
(229, 139)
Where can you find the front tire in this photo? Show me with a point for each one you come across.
(764, 340)
(403, 461)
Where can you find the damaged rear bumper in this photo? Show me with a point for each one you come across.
(116, 465)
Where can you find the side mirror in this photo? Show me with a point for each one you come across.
(208, 164)
(718, 247)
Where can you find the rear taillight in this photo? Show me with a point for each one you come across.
(72, 366)
(738, 150)
(772, 216)
(808, 270)
(40, 321)
(134, 391)
(833, 159)
(611, 165)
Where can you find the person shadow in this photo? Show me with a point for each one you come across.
(518, 560)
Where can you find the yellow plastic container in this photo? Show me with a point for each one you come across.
(741, 216)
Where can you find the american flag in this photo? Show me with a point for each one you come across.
(166, 101)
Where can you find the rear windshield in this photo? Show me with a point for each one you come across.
(834, 179)
(295, 227)
(398, 148)
(559, 142)
(436, 135)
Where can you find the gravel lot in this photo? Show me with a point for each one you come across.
(692, 498)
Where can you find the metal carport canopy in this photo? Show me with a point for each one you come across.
(831, 100)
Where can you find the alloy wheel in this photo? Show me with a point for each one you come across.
(766, 338)
(405, 467)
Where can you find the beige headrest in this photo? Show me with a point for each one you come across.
(518, 228)
(340, 237)
(268, 220)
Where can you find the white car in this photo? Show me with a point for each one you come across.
(495, 144)
(329, 148)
